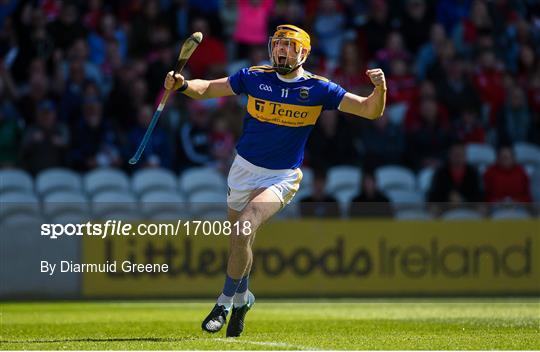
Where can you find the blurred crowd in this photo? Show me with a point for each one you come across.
(80, 80)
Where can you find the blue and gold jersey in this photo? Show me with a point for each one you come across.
(280, 115)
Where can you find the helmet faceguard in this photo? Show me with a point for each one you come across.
(289, 43)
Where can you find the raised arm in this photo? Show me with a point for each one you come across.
(199, 88)
(370, 107)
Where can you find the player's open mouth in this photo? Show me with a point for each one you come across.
(282, 59)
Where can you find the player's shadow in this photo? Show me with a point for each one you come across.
(107, 339)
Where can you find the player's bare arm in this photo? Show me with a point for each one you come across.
(371, 107)
(199, 88)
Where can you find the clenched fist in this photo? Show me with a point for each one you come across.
(376, 76)
(173, 81)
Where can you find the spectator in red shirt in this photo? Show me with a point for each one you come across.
(426, 91)
(488, 80)
(210, 54)
(505, 180)
(468, 128)
(222, 143)
(402, 86)
(473, 27)
(351, 72)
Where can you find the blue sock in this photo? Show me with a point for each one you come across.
(243, 285)
(241, 296)
(230, 286)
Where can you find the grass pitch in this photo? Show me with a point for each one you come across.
(283, 325)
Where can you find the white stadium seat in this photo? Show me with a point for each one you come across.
(161, 196)
(343, 177)
(170, 216)
(111, 201)
(461, 214)
(204, 202)
(405, 199)
(527, 154)
(15, 180)
(15, 220)
(510, 214)
(201, 178)
(105, 179)
(412, 215)
(424, 179)
(64, 201)
(58, 179)
(480, 155)
(121, 214)
(530, 169)
(146, 180)
(208, 197)
(20, 203)
(114, 197)
(345, 195)
(343, 183)
(162, 201)
(71, 217)
(394, 177)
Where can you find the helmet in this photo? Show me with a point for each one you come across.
(298, 44)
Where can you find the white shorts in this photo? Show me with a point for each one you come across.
(244, 178)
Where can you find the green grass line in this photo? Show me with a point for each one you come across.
(500, 324)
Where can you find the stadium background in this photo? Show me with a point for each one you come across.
(80, 81)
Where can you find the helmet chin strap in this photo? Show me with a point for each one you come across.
(286, 70)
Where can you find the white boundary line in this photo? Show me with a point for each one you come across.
(263, 343)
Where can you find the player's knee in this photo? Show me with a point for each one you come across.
(240, 241)
(251, 215)
(248, 227)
